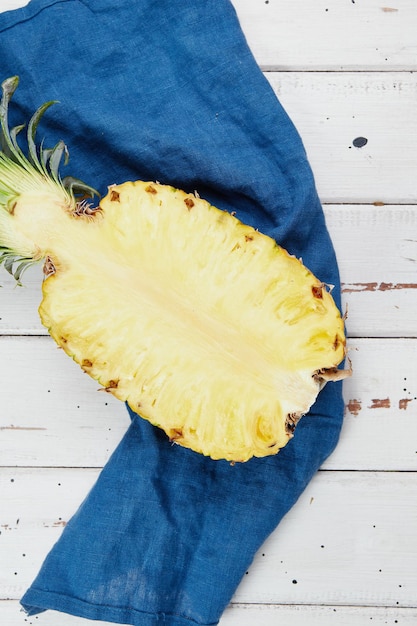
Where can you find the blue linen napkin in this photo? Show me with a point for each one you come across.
(168, 90)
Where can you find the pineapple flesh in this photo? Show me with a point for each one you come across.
(204, 326)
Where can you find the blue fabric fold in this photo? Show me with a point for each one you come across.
(169, 90)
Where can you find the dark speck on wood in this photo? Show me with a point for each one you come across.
(360, 142)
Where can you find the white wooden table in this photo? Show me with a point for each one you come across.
(342, 70)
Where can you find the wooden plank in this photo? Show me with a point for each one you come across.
(244, 615)
(380, 425)
(19, 304)
(331, 35)
(331, 110)
(377, 254)
(346, 35)
(11, 614)
(9, 5)
(61, 419)
(272, 615)
(35, 507)
(376, 248)
(350, 540)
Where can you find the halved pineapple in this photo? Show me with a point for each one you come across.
(204, 326)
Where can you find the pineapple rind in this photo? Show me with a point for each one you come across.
(204, 326)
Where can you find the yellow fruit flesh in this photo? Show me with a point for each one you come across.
(204, 326)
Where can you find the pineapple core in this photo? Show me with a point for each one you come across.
(204, 326)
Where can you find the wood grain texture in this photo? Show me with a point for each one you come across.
(314, 557)
(376, 248)
(325, 35)
(332, 109)
(274, 615)
(9, 5)
(247, 615)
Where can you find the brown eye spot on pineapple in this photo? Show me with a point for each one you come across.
(48, 267)
(291, 422)
(317, 291)
(114, 196)
(175, 434)
(111, 386)
(189, 203)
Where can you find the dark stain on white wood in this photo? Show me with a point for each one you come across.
(354, 406)
(375, 286)
(380, 403)
(359, 142)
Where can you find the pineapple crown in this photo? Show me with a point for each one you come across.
(20, 173)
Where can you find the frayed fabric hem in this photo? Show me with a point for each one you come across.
(36, 601)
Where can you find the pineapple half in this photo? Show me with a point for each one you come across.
(204, 326)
